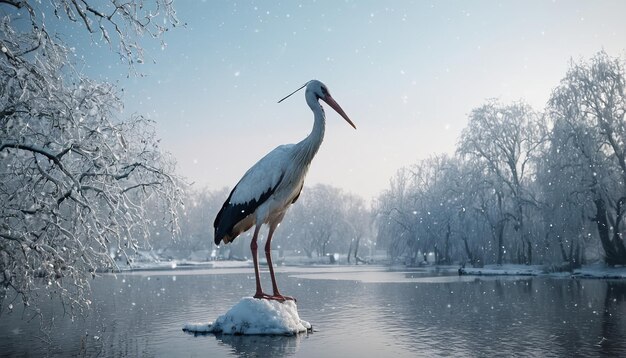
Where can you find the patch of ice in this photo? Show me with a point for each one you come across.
(253, 316)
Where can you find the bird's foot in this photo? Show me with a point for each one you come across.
(262, 296)
(282, 298)
(275, 297)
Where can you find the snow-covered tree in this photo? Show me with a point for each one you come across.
(358, 226)
(588, 108)
(504, 140)
(196, 222)
(322, 222)
(566, 202)
(396, 222)
(76, 180)
(525, 185)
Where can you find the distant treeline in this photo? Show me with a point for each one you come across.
(324, 220)
(524, 186)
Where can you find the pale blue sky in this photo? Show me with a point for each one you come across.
(406, 72)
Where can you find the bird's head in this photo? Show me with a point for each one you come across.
(320, 91)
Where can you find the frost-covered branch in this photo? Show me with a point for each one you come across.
(69, 163)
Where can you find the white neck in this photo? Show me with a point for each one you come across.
(309, 146)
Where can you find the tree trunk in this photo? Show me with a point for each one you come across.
(350, 252)
(468, 252)
(563, 252)
(613, 249)
(473, 259)
(577, 257)
(357, 259)
(324, 244)
(500, 235)
(526, 257)
(617, 230)
(446, 247)
(500, 232)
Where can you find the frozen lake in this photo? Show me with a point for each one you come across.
(364, 311)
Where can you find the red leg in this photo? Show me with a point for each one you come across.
(253, 247)
(268, 255)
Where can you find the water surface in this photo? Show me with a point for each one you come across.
(365, 311)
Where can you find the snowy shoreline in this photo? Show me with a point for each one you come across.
(595, 271)
(182, 264)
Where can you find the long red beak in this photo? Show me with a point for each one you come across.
(331, 102)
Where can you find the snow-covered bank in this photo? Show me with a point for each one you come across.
(503, 270)
(151, 261)
(596, 270)
(591, 271)
(255, 317)
(180, 264)
(600, 271)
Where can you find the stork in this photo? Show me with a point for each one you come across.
(269, 187)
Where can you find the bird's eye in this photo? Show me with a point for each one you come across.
(325, 91)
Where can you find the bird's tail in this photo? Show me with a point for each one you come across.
(220, 236)
(226, 239)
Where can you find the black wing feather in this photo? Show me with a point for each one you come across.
(231, 214)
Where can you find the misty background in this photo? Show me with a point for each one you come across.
(408, 73)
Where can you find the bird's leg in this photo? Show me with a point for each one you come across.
(253, 247)
(268, 255)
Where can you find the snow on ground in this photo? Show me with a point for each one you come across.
(596, 270)
(495, 270)
(253, 316)
(590, 271)
(600, 271)
(164, 265)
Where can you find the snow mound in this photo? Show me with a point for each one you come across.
(253, 316)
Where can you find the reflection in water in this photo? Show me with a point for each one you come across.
(270, 346)
(613, 328)
(252, 345)
(355, 312)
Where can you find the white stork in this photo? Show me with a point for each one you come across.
(267, 189)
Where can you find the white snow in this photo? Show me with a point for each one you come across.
(253, 316)
(589, 271)
(494, 270)
(182, 264)
(600, 271)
